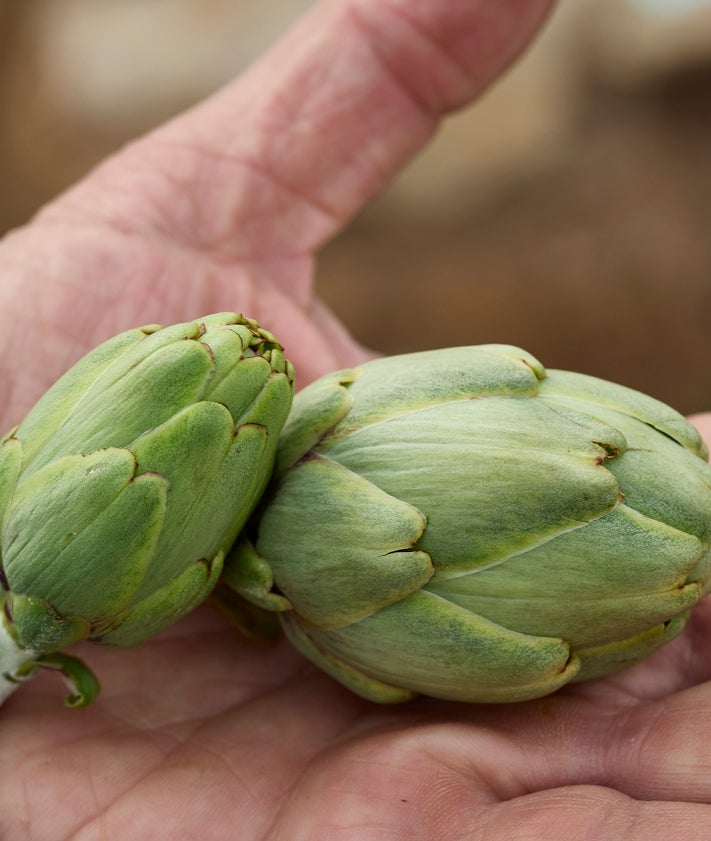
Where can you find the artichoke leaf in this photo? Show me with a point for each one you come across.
(358, 682)
(246, 572)
(201, 454)
(271, 404)
(397, 385)
(316, 410)
(10, 463)
(429, 645)
(575, 587)
(238, 385)
(662, 479)
(241, 376)
(113, 410)
(526, 474)
(163, 606)
(81, 681)
(596, 393)
(39, 627)
(120, 541)
(68, 508)
(601, 660)
(53, 408)
(365, 555)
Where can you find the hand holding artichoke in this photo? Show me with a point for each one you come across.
(459, 523)
(464, 524)
(126, 484)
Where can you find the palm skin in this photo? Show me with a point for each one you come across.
(198, 735)
(201, 734)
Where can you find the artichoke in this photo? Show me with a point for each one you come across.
(126, 484)
(464, 524)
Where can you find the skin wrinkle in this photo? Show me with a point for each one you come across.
(102, 817)
(250, 690)
(484, 783)
(626, 743)
(361, 22)
(107, 294)
(622, 694)
(493, 765)
(321, 217)
(351, 180)
(466, 61)
(184, 741)
(103, 807)
(239, 786)
(613, 753)
(27, 803)
(436, 797)
(302, 782)
(189, 231)
(291, 793)
(103, 810)
(504, 818)
(501, 780)
(79, 329)
(685, 749)
(431, 104)
(256, 704)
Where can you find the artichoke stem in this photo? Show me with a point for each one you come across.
(14, 661)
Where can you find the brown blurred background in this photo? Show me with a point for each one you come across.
(568, 212)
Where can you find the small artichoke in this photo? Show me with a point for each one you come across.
(126, 484)
(463, 524)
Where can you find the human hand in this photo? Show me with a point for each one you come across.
(224, 207)
(199, 734)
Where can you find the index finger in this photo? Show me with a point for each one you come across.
(300, 142)
(228, 201)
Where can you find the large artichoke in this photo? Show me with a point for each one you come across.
(464, 524)
(126, 484)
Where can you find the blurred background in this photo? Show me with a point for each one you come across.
(567, 212)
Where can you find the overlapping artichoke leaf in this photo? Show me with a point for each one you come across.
(494, 476)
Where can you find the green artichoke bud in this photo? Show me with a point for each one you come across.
(463, 524)
(126, 484)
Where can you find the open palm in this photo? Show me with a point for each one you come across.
(200, 734)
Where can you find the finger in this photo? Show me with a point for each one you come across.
(658, 751)
(648, 751)
(431, 781)
(454, 758)
(702, 422)
(594, 813)
(219, 209)
(279, 160)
